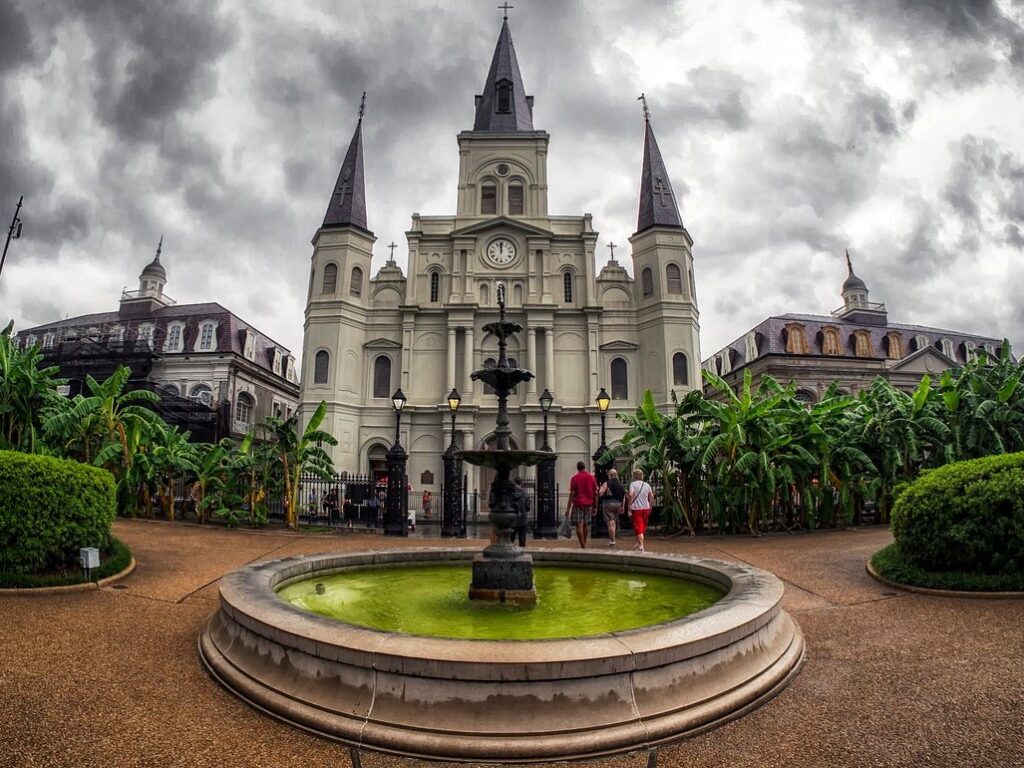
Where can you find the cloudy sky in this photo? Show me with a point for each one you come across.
(791, 131)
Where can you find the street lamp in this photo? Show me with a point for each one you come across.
(603, 401)
(397, 499)
(451, 513)
(13, 233)
(547, 524)
(601, 464)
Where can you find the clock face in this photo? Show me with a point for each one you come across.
(501, 251)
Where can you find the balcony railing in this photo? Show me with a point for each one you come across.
(158, 295)
(870, 306)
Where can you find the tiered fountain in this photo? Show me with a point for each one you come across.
(503, 572)
(382, 649)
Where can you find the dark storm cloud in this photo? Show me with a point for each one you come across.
(982, 173)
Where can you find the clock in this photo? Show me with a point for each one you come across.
(501, 251)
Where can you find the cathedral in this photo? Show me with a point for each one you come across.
(421, 330)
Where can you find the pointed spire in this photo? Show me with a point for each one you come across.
(852, 283)
(348, 201)
(657, 201)
(504, 105)
(155, 268)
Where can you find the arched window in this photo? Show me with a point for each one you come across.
(488, 198)
(680, 370)
(206, 341)
(382, 376)
(170, 389)
(647, 282)
(920, 342)
(330, 283)
(504, 97)
(894, 345)
(515, 199)
(796, 341)
(567, 286)
(830, 343)
(862, 344)
(146, 335)
(435, 287)
(356, 284)
(946, 345)
(202, 393)
(321, 366)
(173, 341)
(673, 279)
(620, 379)
(806, 396)
(243, 408)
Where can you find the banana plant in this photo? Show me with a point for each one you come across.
(300, 452)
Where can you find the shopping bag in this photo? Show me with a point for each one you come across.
(565, 529)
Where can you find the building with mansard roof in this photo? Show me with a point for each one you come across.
(217, 375)
(852, 346)
(421, 330)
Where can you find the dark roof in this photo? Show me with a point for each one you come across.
(771, 339)
(348, 201)
(504, 67)
(657, 201)
(230, 329)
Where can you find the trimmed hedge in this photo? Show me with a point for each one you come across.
(966, 517)
(889, 564)
(49, 508)
(112, 561)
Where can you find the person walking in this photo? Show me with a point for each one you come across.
(428, 503)
(612, 494)
(582, 502)
(640, 499)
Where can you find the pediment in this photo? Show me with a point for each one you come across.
(625, 346)
(928, 360)
(382, 343)
(502, 222)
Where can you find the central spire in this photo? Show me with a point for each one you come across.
(347, 205)
(657, 201)
(503, 105)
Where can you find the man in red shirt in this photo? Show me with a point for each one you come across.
(582, 502)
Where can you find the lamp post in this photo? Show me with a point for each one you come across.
(13, 233)
(452, 512)
(547, 512)
(397, 508)
(600, 464)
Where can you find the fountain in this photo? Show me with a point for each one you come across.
(382, 649)
(503, 572)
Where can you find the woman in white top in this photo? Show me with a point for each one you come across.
(640, 499)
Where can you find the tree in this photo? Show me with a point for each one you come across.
(298, 453)
(27, 389)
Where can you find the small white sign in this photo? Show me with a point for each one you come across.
(64, 389)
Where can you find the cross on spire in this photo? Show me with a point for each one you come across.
(344, 189)
(392, 246)
(506, 8)
(647, 112)
(362, 106)
(612, 247)
(661, 189)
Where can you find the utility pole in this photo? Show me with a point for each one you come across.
(13, 233)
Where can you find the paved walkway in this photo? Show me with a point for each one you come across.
(111, 677)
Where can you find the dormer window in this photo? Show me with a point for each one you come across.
(146, 335)
(504, 97)
(277, 362)
(290, 369)
(48, 341)
(206, 341)
(250, 345)
(489, 198)
(173, 340)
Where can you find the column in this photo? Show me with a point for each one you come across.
(549, 359)
(467, 386)
(451, 362)
(531, 362)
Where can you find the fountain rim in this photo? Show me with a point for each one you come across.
(753, 599)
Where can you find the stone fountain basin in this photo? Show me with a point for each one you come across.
(503, 701)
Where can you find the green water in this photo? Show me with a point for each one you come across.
(432, 600)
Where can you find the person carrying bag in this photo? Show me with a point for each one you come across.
(640, 499)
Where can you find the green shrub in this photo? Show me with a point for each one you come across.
(49, 508)
(964, 517)
(890, 564)
(112, 561)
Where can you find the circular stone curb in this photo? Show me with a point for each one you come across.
(940, 592)
(69, 588)
(516, 701)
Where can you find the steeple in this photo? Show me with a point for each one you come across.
(852, 282)
(503, 105)
(856, 305)
(155, 270)
(347, 206)
(657, 201)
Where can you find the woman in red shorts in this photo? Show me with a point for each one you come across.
(639, 500)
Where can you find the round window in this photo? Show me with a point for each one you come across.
(502, 169)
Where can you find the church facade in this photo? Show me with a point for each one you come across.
(421, 331)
